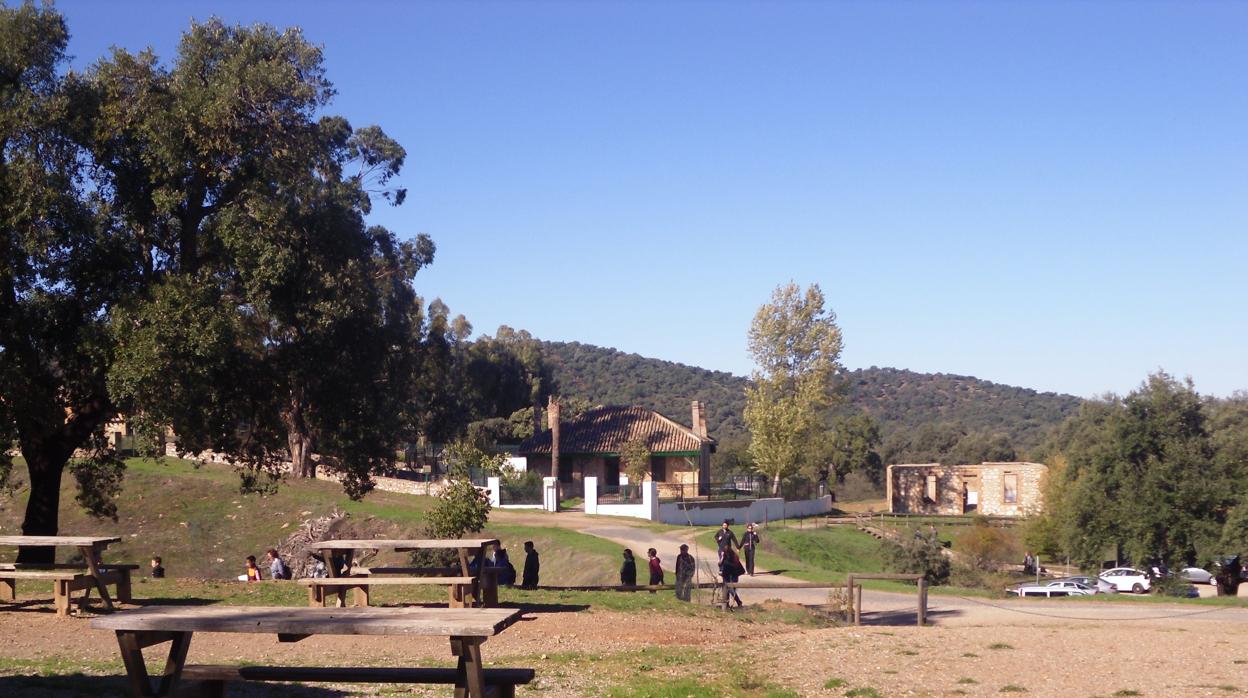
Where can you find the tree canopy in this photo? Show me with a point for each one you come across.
(1150, 475)
(186, 244)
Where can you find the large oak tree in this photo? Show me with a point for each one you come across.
(185, 244)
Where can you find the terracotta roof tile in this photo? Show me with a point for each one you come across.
(607, 429)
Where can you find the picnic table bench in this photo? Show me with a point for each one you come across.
(462, 581)
(67, 578)
(467, 629)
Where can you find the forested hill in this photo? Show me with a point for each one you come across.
(900, 400)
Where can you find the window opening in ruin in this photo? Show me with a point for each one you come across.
(1011, 488)
(931, 488)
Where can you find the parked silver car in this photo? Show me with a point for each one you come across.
(1197, 575)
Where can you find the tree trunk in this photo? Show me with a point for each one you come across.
(43, 507)
(298, 437)
(775, 485)
(47, 451)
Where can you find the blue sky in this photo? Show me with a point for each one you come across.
(1052, 195)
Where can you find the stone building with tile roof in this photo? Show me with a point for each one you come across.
(590, 445)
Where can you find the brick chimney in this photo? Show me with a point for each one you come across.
(552, 417)
(698, 422)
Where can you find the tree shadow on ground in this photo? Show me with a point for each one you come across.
(909, 616)
(547, 607)
(84, 685)
(182, 601)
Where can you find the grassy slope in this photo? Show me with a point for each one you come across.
(193, 517)
(815, 554)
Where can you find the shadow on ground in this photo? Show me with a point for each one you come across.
(909, 616)
(83, 685)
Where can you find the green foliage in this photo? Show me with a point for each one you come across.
(460, 509)
(919, 555)
(1234, 539)
(1146, 475)
(98, 477)
(949, 443)
(464, 456)
(796, 347)
(635, 460)
(985, 546)
(846, 444)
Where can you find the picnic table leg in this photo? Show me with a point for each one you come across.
(92, 554)
(61, 592)
(132, 644)
(470, 678)
(8, 590)
(124, 593)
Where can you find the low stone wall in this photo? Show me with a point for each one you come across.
(741, 511)
(385, 484)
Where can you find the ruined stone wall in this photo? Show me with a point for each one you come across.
(908, 488)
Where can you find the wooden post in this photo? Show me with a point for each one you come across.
(922, 602)
(858, 605)
(849, 599)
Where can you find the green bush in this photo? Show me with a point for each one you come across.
(986, 546)
(919, 555)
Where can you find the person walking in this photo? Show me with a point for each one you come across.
(724, 537)
(656, 568)
(749, 544)
(628, 571)
(730, 569)
(532, 566)
(685, 567)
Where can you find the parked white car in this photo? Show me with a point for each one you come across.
(1128, 579)
(1055, 588)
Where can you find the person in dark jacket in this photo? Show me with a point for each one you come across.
(724, 537)
(158, 572)
(730, 569)
(749, 544)
(685, 568)
(628, 571)
(507, 575)
(532, 566)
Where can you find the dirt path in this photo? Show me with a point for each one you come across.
(878, 606)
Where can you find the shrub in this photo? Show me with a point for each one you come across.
(919, 555)
(985, 546)
(462, 508)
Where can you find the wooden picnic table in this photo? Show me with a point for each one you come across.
(461, 585)
(91, 548)
(141, 628)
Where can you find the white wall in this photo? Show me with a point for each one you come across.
(648, 509)
(741, 511)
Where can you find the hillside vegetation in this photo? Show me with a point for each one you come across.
(899, 400)
(196, 519)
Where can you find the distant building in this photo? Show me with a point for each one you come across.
(592, 443)
(992, 489)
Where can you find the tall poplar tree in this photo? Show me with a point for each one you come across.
(796, 347)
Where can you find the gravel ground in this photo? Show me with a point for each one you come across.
(582, 653)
